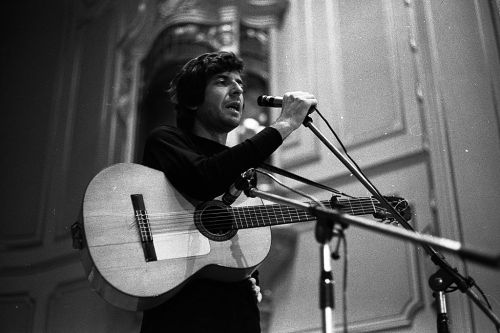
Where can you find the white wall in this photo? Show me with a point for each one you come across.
(412, 88)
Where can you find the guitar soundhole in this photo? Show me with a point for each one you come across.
(214, 220)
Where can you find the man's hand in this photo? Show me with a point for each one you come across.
(296, 106)
(256, 289)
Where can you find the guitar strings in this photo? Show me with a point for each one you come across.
(354, 208)
(241, 220)
(225, 217)
(242, 217)
(357, 208)
(188, 224)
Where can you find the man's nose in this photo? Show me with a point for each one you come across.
(236, 89)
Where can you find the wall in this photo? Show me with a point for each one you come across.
(411, 87)
(57, 74)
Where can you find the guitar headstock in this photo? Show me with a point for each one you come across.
(401, 205)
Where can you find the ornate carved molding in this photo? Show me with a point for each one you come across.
(263, 13)
(155, 16)
(165, 33)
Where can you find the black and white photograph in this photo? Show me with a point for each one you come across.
(250, 166)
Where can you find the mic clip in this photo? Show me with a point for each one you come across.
(250, 180)
(244, 182)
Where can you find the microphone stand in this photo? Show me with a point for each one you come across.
(324, 233)
(326, 224)
(446, 275)
(330, 218)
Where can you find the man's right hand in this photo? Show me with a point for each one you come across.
(296, 106)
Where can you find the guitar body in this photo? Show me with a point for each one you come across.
(115, 257)
(143, 240)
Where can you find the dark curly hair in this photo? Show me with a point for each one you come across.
(187, 89)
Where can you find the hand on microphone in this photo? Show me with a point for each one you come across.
(295, 107)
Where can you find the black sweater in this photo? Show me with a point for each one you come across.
(204, 169)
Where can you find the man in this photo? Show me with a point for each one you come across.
(208, 93)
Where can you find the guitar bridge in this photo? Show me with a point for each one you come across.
(142, 220)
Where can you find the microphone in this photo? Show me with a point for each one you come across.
(276, 102)
(271, 101)
(234, 191)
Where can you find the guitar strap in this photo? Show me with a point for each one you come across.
(291, 175)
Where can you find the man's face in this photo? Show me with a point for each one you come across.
(221, 110)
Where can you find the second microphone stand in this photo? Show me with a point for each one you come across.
(444, 271)
(326, 229)
(328, 225)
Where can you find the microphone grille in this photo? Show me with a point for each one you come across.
(261, 100)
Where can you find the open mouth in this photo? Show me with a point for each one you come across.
(236, 106)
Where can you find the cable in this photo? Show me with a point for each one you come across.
(473, 283)
(288, 174)
(345, 151)
(289, 188)
(450, 289)
(335, 256)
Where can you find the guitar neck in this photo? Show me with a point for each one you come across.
(270, 215)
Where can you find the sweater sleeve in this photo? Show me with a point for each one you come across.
(206, 176)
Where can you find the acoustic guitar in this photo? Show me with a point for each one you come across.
(142, 241)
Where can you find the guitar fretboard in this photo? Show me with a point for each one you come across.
(269, 215)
